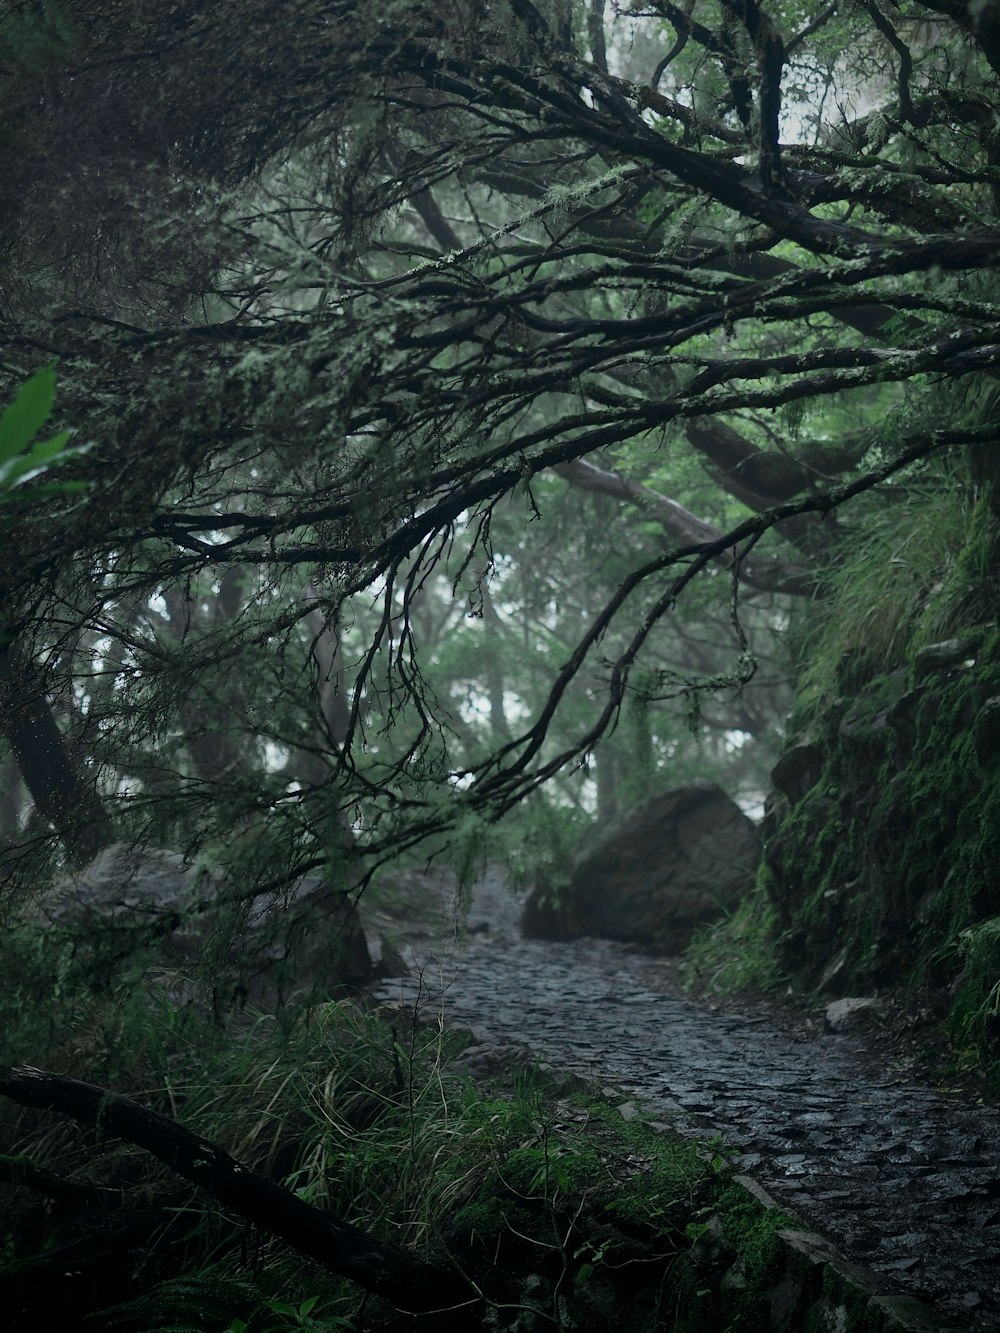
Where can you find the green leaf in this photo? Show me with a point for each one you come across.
(15, 471)
(45, 455)
(45, 450)
(28, 413)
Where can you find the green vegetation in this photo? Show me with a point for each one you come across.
(547, 1205)
(901, 584)
(449, 463)
(498, 411)
(880, 865)
(23, 458)
(743, 951)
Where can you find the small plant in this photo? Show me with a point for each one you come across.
(975, 1012)
(281, 1317)
(24, 458)
(740, 951)
(203, 1302)
(194, 1303)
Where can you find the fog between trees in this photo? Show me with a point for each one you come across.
(481, 397)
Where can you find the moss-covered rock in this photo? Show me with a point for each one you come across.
(599, 1223)
(680, 859)
(881, 864)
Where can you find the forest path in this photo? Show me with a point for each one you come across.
(903, 1179)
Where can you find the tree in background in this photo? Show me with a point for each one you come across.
(464, 386)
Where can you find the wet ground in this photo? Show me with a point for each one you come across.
(903, 1178)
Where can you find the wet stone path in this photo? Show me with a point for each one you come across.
(905, 1181)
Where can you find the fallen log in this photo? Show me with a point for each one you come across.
(380, 1267)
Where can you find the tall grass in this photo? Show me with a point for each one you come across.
(905, 577)
(355, 1110)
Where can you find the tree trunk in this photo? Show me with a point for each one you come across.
(209, 724)
(607, 783)
(12, 797)
(493, 668)
(61, 793)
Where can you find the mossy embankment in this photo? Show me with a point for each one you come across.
(881, 866)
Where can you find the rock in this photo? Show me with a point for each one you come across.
(833, 971)
(386, 960)
(777, 808)
(861, 868)
(785, 1296)
(864, 738)
(547, 915)
(681, 859)
(944, 656)
(904, 719)
(734, 1278)
(986, 732)
(852, 1012)
(300, 945)
(797, 770)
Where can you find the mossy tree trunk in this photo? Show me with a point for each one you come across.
(63, 794)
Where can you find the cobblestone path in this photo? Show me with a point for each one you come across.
(904, 1180)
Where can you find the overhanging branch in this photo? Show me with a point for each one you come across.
(499, 784)
(680, 525)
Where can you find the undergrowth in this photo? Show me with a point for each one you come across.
(879, 869)
(349, 1108)
(740, 952)
(910, 575)
(560, 1212)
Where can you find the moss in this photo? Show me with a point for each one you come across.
(645, 1231)
(741, 951)
(890, 862)
(548, 1169)
(753, 1233)
(974, 1017)
(945, 811)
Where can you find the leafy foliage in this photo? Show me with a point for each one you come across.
(478, 395)
(19, 425)
(463, 380)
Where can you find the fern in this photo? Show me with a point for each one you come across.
(203, 1302)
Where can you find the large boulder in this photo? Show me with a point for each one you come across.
(202, 937)
(679, 860)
